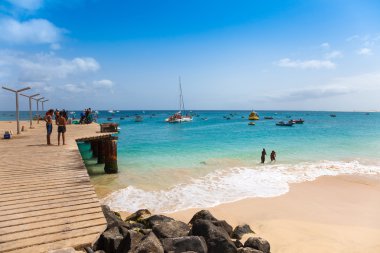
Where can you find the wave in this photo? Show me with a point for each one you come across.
(228, 185)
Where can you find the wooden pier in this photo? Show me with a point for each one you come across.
(46, 198)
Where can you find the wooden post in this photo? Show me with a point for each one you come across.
(94, 148)
(100, 151)
(110, 165)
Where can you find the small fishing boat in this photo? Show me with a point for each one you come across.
(204, 118)
(332, 115)
(282, 123)
(139, 118)
(109, 118)
(253, 116)
(268, 117)
(251, 123)
(298, 121)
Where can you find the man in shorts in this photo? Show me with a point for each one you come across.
(61, 122)
(49, 125)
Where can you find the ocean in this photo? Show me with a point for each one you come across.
(212, 160)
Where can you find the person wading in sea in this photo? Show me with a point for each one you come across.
(61, 122)
(49, 125)
(263, 154)
(273, 156)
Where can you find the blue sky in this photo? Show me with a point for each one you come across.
(296, 55)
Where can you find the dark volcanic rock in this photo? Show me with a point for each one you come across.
(223, 224)
(239, 231)
(258, 243)
(203, 215)
(171, 229)
(217, 239)
(148, 244)
(139, 215)
(153, 220)
(238, 244)
(185, 244)
(248, 250)
(110, 241)
(111, 218)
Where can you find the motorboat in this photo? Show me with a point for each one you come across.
(333, 115)
(109, 118)
(298, 121)
(253, 116)
(268, 117)
(251, 123)
(282, 123)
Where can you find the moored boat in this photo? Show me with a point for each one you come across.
(332, 115)
(282, 123)
(268, 117)
(251, 123)
(253, 116)
(139, 118)
(298, 121)
(179, 117)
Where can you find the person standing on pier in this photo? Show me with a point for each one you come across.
(61, 122)
(49, 125)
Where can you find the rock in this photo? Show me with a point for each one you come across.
(171, 229)
(148, 244)
(110, 241)
(248, 250)
(111, 218)
(202, 215)
(185, 244)
(258, 243)
(139, 215)
(100, 251)
(223, 224)
(239, 231)
(153, 220)
(217, 239)
(238, 244)
(133, 238)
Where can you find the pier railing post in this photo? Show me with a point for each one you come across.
(110, 165)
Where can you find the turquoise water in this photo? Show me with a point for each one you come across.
(167, 167)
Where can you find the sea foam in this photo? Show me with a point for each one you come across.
(228, 185)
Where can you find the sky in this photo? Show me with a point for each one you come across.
(237, 55)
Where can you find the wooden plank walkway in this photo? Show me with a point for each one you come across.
(46, 198)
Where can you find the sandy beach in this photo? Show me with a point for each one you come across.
(330, 214)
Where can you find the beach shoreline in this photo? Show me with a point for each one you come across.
(332, 213)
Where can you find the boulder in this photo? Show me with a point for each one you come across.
(217, 239)
(153, 220)
(248, 250)
(223, 224)
(148, 244)
(171, 229)
(185, 244)
(202, 215)
(110, 241)
(258, 243)
(111, 218)
(238, 244)
(239, 231)
(139, 215)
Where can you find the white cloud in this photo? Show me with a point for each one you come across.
(27, 4)
(35, 31)
(74, 88)
(334, 54)
(45, 67)
(308, 64)
(364, 51)
(105, 83)
(325, 45)
(55, 46)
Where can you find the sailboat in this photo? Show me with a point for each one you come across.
(181, 115)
